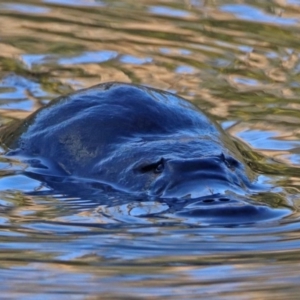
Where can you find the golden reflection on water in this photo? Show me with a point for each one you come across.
(238, 61)
(196, 42)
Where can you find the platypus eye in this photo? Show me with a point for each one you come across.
(160, 167)
(230, 162)
(156, 167)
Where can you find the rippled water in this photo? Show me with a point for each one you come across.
(237, 60)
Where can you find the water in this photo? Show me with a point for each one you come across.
(237, 60)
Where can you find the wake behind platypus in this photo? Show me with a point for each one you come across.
(140, 141)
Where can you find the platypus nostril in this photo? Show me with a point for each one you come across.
(208, 200)
(224, 199)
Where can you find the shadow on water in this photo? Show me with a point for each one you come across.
(239, 62)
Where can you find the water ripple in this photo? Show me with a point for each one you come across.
(239, 62)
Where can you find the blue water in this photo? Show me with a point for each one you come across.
(239, 62)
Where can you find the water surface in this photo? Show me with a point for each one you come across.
(237, 60)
